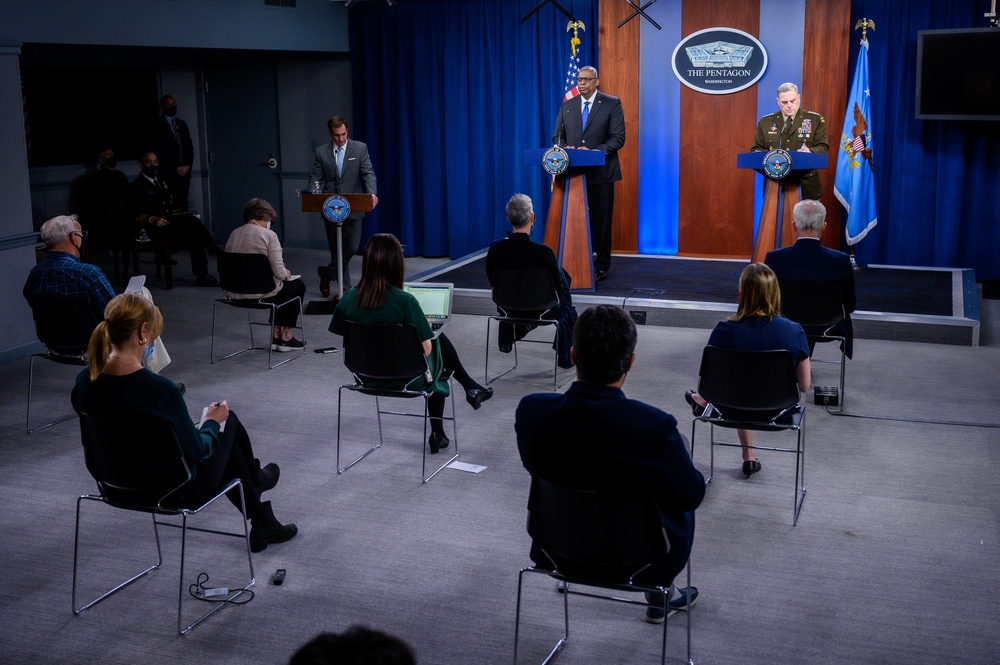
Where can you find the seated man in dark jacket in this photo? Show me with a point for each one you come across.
(153, 206)
(518, 251)
(594, 438)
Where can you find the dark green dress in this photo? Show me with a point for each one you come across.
(399, 307)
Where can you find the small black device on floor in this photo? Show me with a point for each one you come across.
(328, 349)
(826, 396)
(279, 577)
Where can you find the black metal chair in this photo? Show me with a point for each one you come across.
(251, 273)
(753, 390)
(606, 540)
(524, 297)
(139, 465)
(64, 328)
(389, 361)
(818, 306)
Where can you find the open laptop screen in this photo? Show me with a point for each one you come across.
(434, 299)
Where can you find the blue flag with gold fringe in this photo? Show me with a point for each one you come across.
(854, 185)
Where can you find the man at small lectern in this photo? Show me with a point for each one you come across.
(595, 121)
(795, 130)
(342, 166)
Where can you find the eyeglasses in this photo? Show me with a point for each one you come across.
(584, 79)
(82, 234)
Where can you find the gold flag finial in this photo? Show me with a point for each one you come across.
(575, 26)
(864, 24)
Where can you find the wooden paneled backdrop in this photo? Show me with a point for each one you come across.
(716, 199)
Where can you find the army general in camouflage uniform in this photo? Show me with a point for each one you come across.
(794, 129)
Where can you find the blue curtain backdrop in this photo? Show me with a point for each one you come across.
(448, 96)
(937, 181)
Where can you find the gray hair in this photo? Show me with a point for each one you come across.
(58, 229)
(809, 215)
(788, 87)
(519, 211)
(591, 68)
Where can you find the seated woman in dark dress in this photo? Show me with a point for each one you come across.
(758, 326)
(115, 383)
(379, 299)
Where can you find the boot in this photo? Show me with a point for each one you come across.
(266, 529)
(267, 477)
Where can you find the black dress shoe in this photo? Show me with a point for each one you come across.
(181, 387)
(476, 396)
(751, 467)
(206, 280)
(437, 442)
(601, 275)
(324, 281)
(696, 409)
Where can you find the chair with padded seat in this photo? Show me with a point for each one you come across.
(753, 390)
(818, 306)
(389, 361)
(601, 539)
(139, 466)
(524, 297)
(64, 328)
(251, 273)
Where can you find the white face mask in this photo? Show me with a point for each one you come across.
(269, 225)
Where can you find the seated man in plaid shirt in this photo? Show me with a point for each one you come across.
(61, 275)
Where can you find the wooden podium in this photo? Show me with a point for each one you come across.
(567, 229)
(358, 203)
(780, 196)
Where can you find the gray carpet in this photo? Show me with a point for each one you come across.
(894, 559)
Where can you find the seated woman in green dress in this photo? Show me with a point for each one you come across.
(379, 299)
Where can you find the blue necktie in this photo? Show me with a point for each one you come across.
(586, 114)
(340, 161)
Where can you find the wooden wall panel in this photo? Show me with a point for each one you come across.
(825, 80)
(619, 71)
(715, 198)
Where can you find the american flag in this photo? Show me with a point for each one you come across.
(858, 144)
(573, 70)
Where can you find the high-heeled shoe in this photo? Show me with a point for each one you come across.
(696, 409)
(437, 442)
(751, 467)
(476, 396)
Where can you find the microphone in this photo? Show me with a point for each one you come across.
(784, 128)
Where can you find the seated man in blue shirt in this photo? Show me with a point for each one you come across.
(62, 276)
(595, 438)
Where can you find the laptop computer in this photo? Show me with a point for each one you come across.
(435, 301)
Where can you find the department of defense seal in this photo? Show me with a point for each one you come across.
(336, 208)
(555, 161)
(777, 164)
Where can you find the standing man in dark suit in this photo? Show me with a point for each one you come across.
(172, 144)
(808, 259)
(342, 166)
(794, 129)
(594, 438)
(595, 121)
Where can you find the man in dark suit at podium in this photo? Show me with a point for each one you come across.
(342, 166)
(808, 259)
(795, 130)
(595, 121)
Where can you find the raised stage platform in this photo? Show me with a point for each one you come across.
(933, 305)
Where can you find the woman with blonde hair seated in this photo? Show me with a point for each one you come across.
(116, 384)
(757, 326)
(379, 299)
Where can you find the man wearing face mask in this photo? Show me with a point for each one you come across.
(62, 276)
(172, 144)
(152, 205)
(101, 201)
(256, 237)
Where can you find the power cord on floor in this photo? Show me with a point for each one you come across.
(200, 591)
(954, 423)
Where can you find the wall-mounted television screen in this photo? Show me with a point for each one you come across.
(957, 74)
